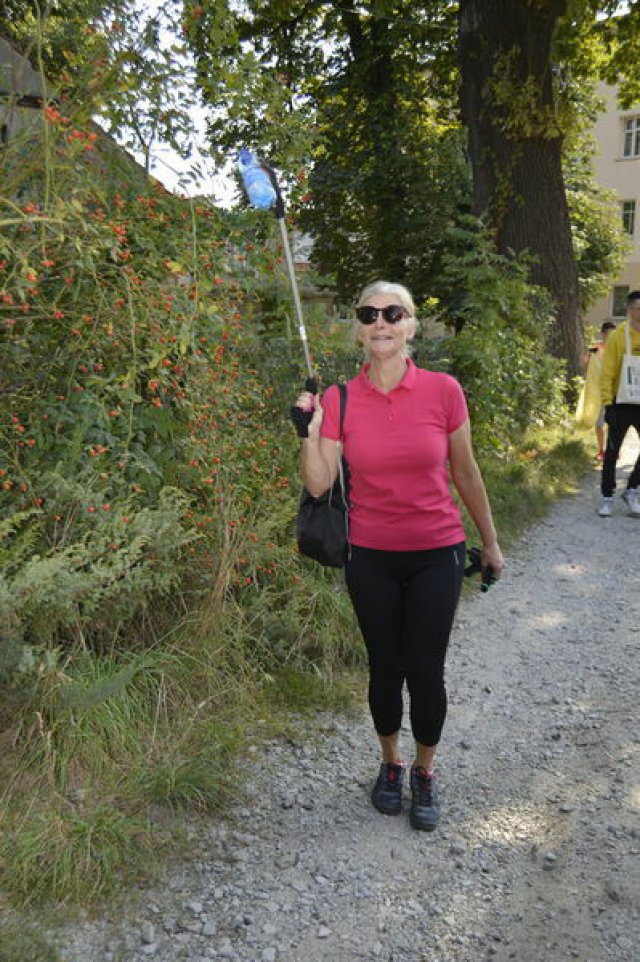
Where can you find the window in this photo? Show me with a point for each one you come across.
(632, 137)
(629, 216)
(620, 301)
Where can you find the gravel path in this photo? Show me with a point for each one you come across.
(536, 857)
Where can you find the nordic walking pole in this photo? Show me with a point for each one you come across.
(263, 190)
(302, 331)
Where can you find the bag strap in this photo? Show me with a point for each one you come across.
(343, 406)
(341, 463)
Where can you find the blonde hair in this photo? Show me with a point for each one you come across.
(394, 290)
(400, 293)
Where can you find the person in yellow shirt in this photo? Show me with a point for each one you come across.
(619, 417)
(590, 411)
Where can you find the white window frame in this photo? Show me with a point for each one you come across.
(629, 216)
(631, 142)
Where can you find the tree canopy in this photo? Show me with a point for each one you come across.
(387, 120)
(366, 97)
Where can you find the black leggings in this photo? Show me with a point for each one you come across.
(405, 602)
(626, 416)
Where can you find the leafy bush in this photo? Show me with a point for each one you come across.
(498, 353)
(149, 582)
(131, 406)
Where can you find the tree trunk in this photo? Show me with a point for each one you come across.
(515, 144)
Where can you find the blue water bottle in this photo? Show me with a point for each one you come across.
(257, 183)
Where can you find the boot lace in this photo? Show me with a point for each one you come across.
(423, 782)
(392, 775)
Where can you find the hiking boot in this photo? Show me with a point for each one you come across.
(425, 808)
(606, 508)
(632, 499)
(386, 794)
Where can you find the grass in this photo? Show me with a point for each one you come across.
(72, 855)
(102, 742)
(20, 943)
(551, 464)
(306, 691)
(99, 754)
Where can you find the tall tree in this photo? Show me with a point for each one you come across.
(349, 89)
(515, 144)
(519, 63)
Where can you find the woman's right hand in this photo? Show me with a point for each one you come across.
(307, 415)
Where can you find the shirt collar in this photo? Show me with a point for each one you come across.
(407, 382)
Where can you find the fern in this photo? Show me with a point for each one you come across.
(97, 579)
(18, 539)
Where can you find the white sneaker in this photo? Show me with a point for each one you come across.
(606, 508)
(633, 502)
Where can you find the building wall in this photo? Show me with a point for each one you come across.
(620, 173)
(21, 88)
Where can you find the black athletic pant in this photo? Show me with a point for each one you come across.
(405, 602)
(625, 416)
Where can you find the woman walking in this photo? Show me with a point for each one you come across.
(406, 433)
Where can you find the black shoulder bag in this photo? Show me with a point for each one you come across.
(322, 525)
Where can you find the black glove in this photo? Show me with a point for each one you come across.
(302, 419)
(610, 415)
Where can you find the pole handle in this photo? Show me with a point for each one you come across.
(487, 574)
(278, 207)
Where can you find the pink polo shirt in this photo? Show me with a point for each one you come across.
(397, 447)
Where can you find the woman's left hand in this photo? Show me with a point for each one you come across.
(491, 557)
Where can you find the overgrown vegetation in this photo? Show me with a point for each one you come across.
(154, 614)
(149, 585)
(499, 354)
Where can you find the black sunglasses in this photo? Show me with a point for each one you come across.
(391, 314)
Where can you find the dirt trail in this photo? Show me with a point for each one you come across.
(536, 858)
